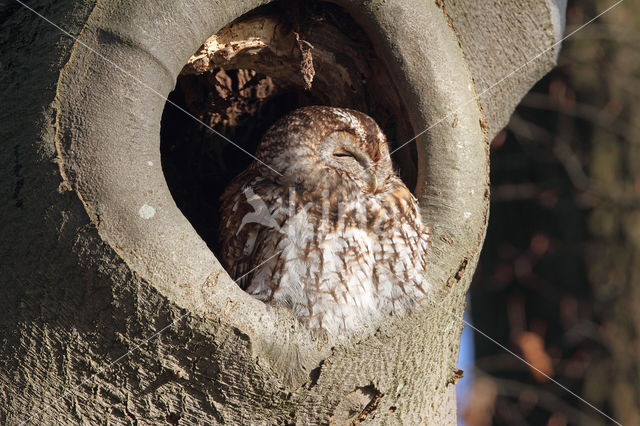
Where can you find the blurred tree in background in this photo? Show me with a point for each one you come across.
(559, 278)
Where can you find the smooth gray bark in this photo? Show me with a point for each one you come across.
(87, 279)
(509, 46)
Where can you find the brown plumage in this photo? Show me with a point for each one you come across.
(339, 233)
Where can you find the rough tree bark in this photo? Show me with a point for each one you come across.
(96, 258)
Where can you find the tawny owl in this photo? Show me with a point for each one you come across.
(328, 229)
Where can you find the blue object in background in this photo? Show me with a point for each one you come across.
(466, 362)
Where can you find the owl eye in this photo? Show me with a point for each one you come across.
(343, 153)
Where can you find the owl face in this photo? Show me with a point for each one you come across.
(329, 148)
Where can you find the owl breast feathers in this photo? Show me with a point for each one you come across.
(335, 235)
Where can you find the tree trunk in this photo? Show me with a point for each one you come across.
(116, 311)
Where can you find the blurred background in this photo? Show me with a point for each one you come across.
(558, 281)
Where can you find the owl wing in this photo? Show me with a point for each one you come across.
(245, 224)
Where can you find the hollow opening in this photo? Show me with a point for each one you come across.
(266, 63)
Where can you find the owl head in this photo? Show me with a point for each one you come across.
(336, 149)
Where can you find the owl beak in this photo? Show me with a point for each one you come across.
(374, 183)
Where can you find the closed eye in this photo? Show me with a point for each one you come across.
(343, 154)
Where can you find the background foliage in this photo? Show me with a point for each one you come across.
(559, 277)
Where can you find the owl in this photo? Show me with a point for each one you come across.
(322, 224)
